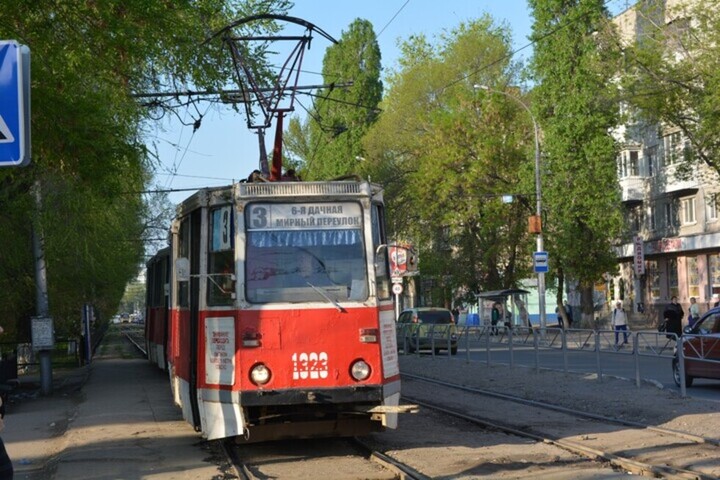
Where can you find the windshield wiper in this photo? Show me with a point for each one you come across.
(327, 297)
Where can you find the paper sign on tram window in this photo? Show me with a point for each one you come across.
(220, 351)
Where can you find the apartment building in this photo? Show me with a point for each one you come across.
(672, 244)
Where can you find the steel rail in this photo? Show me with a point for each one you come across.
(628, 423)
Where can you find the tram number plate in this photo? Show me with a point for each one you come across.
(310, 365)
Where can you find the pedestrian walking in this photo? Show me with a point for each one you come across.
(522, 312)
(673, 318)
(620, 323)
(694, 313)
(559, 318)
(495, 315)
(6, 467)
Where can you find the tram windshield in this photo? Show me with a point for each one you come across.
(305, 253)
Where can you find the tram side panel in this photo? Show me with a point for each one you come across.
(157, 307)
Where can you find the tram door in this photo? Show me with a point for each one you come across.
(189, 305)
(195, 229)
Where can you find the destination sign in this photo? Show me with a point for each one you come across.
(294, 216)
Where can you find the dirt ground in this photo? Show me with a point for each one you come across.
(445, 448)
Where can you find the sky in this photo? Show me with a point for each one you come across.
(224, 150)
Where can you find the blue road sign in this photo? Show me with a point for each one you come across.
(14, 104)
(540, 260)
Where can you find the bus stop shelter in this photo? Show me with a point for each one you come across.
(513, 302)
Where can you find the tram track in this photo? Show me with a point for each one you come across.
(260, 462)
(632, 446)
(136, 338)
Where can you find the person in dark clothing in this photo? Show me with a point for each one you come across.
(6, 467)
(495, 318)
(673, 318)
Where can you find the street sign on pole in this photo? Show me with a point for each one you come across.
(15, 104)
(540, 261)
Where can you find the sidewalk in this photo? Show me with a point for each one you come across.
(112, 420)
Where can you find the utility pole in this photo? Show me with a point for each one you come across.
(42, 325)
(537, 223)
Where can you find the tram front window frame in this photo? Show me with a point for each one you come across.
(305, 252)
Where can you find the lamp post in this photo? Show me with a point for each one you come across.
(538, 198)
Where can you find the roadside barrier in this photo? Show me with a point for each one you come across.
(504, 341)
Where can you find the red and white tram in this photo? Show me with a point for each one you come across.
(281, 319)
(157, 306)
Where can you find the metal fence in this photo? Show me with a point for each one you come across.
(18, 359)
(504, 341)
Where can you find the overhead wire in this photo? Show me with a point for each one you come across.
(327, 98)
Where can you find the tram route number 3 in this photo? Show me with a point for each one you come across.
(310, 365)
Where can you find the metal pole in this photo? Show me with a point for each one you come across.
(42, 305)
(538, 199)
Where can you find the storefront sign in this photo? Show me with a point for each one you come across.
(639, 256)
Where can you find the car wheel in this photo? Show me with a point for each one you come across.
(676, 375)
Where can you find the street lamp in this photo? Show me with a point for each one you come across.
(538, 198)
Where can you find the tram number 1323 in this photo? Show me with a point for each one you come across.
(310, 365)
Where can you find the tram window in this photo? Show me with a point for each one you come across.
(183, 252)
(382, 278)
(221, 258)
(300, 262)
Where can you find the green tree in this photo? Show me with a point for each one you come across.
(88, 153)
(674, 74)
(446, 152)
(575, 101)
(329, 143)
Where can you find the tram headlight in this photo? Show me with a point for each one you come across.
(260, 374)
(360, 370)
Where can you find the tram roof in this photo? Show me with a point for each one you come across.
(213, 195)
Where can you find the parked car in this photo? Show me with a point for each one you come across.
(701, 343)
(425, 328)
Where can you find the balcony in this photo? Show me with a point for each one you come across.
(633, 189)
(672, 183)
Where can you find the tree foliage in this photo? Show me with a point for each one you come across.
(446, 152)
(88, 153)
(575, 101)
(328, 144)
(674, 73)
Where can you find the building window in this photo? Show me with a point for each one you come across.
(673, 277)
(653, 279)
(633, 163)
(652, 225)
(711, 203)
(714, 268)
(650, 156)
(636, 218)
(629, 163)
(673, 148)
(688, 210)
(693, 277)
(670, 215)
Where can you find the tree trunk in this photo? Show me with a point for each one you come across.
(587, 306)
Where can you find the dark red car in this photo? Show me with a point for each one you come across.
(701, 349)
